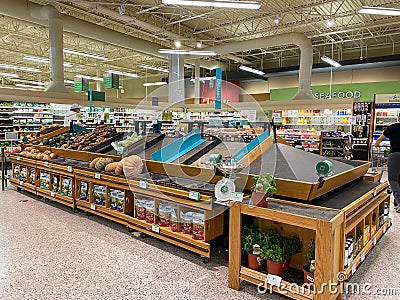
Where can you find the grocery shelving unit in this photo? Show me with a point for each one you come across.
(336, 145)
(6, 122)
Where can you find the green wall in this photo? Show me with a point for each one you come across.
(365, 90)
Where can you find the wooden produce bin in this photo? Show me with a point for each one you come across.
(135, 191)
(26, 181)
(329, 222)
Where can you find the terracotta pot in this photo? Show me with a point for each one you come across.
(260, 199)
(287, 264)
(275, 268)
(308, 276)
(252, 260)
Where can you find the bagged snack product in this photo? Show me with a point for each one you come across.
(198, 226)
(45, 181)
(22, 174)
(16, 172)
(32, 176)
(140, 209)
(149, 204)
(186, 220)
(66, 187)
(84, 191)
(164, 214)
(99, 193)
(120, 197)
(174, 219)
(55, 186)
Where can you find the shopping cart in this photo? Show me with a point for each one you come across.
(379, 156)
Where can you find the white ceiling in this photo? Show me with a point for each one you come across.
(352, 36)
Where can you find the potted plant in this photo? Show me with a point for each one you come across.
(252, 238)
(291, 246)
(263, 187)
(274, 257)
(310, 267)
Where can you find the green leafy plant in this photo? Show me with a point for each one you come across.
(274, 253)
(291, 246)
(265, 184)
(311, 252)
(251, 236)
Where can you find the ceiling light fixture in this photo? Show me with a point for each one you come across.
(34, 70)
(122, 73)
(216, 3)
(330, 61)
(251, 70)
(43, 60)
(187, 52)
(154, 83)
(69, 81)
(89, 77)
(199, 44)
(178, 44)
(70, 51)
(331, 22)
(153, 68)
(379, 11)
(11, 75)
(277, 20)
(27, 81)
(29, 86)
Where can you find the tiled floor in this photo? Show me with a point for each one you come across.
(48, 252)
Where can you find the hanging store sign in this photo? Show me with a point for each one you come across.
(218, 88)
(337, 94)
(111, 81)
(81, 84)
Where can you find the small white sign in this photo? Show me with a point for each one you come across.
(237, 196)
(353, 120)
(353, 269)
(384, 228)
(374, 241)
(46, 164)
(273, 280)
(52, 194)
(362, 256)
(92, 206)
(70, 169)
(97, 175)
(375, 192)
(155, 228)
(18, 158)
(143, 184)
(21, 183)
(389, 222)
(194, 195)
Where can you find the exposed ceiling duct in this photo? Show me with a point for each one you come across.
(56, 46)
(294, 38)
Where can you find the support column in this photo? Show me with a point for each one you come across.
(98, 83)
(197, 82)
(176, 87)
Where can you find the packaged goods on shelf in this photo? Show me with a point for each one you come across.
(66, 187)
(32, 175)
(174, 220)
(117, 200)
(84, 191)
(149, 204)
(22, 175)
(164, 214)
(56, 183)
(45, 181)
(99, 194)
(140, 209)
(187, 222)
(198, 226)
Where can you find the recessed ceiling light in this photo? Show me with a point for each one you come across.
(277, 20)
(178, 44)
(199, 44)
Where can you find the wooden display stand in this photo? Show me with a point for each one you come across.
(132, 189)
(329, 227)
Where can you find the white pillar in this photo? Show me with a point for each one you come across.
(197, 82)
(176, 87)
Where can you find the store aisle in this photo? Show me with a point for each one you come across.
(48, 252)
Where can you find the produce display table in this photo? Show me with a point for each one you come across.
(329, 221)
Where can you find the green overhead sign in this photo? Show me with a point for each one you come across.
(362, 91)
(81, 84)
(111, 81)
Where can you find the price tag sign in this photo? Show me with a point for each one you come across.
(389, 222)
(52, 194)
(384, 228)
(21, 183)
(97, 175)
(353, 269)
(194, 195)
(143, 184)
(375, 192)
(46, 164)
(70, 169)
(92, 206)
(374, 241)
(155, 228)
(18, 158)
(273, 280)
(362, 256)
(237, 196)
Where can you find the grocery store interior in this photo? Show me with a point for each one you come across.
(187, 149)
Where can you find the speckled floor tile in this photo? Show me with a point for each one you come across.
(48, 252)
